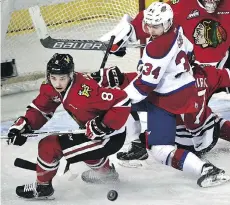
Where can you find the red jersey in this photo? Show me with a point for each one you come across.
(208, 80)
(209, 33)
(83, 100)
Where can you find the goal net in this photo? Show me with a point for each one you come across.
(79, 19)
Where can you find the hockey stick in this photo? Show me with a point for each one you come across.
(64, 167)
(105, 58)
(48, 42)
(36, 134)
(25, 164)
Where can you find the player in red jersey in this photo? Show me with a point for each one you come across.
(204, 126)
(206, 25)
(102, 111)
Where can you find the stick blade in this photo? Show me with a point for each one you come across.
(38, 22)
(21, 163)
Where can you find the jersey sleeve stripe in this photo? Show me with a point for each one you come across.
(48, 116)
(124, 103)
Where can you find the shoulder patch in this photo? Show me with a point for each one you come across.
(44, 82)
(85, 91)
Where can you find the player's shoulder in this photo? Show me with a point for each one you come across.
(84, 78)
(161, 46)
(46, 88)
(213, 73)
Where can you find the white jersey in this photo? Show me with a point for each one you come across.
(165, 66)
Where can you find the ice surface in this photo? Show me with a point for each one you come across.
(153, 184)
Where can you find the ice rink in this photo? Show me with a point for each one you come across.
(154, 184)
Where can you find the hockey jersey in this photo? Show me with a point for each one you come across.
(83, 100)
(165, 70)
(209, 33)
(197, 128)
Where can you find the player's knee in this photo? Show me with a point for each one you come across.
(163, 153)
(225, 131)
(49, 145)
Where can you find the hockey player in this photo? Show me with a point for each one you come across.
(166, 71)
(197, 132)
(102, 111)
(206, 25)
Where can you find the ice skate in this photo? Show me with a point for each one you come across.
(212, 176)
(35, 191)
(134, 157)
(101, 176)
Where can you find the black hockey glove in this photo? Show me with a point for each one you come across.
(19, 127)
(96, 130)
(112, 77)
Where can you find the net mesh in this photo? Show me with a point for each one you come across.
(80, 19)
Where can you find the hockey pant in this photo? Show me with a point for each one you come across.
(75, 148)
(210, 133)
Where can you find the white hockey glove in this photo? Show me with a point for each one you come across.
(19, 127)
(96, 130)
(112, 77)
(124, 33)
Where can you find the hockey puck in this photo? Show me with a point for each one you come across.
(112, 195)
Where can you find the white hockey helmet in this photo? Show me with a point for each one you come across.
(210, 5)
(159, 13)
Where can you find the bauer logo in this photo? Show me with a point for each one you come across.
(78, 45)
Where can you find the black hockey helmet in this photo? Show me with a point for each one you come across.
(60, 64)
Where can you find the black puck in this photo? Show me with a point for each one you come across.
(112, 195)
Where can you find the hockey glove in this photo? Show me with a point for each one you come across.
(120, 53)
(124, 33)
(96, 130)
(112, 77)
(19, 127)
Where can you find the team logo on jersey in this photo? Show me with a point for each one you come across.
(193, 14)
(209, 33)
(175, 1)
(56, 99)
(85, 90)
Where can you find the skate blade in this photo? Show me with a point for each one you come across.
(45, 198)
(130, 163)
(115, 181)
(135, 163)
(220, 179)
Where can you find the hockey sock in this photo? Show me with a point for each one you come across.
(187, 161)
(99, 164)
(49, 155)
